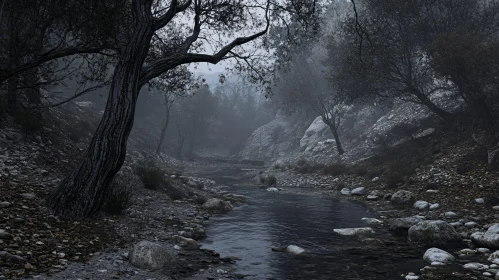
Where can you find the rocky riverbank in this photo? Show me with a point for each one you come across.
(439, 207)
(36, 244)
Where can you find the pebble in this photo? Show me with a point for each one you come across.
(4, 204)
(4, 234)
(434, 206)
(450, 214)
(479, 200)
(470, 224)
(28, 196)
(476, 266)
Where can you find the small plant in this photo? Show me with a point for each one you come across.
(271, 180)
(119, 198)
(335, 169)
(360, 170)
(151, 175)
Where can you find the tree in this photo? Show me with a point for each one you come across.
(83, 191)
(387, 54)
(306, 86)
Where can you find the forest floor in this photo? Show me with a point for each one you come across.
(36, 244)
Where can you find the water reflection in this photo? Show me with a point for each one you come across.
(276, 220)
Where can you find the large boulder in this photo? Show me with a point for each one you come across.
(435, 233)
(293, 249)
(435, 255)
(400, 226)
(402, 198)
(489, 239)
(217, 205)
(149, 255)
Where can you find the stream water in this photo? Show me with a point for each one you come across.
(271, 219)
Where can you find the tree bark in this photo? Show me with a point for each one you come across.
(82, 193)
(334, 131)
(165, 126)
(430, 105)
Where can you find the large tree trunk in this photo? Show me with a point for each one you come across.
(82, 193)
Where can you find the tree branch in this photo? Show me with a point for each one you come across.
(155, 69)
(174, 9)
(5, 74)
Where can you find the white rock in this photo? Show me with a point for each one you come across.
(466, 252)
(434, 233)
(493, 256)
(495, 207)
(483, 250)
(272, 189)
(372, 221)
(372, 197)
(450, 215)
(293, 249)
(150, 255)
(432, 191)
(479, 200)
(217, 205)
(359, 191)
(437, 255)
(476, 266)
(470, 224)
(489, 239)
(421, 205)
(354, 231)
(345, 191)
(375, 179)
(488, 274)
(437, 264)
(402, 198)
(434, 206)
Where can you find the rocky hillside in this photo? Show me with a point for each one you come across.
(363, 132)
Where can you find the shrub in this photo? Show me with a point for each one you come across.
(271, 180)
(335, 169)
(151, 174)
(375, 173)
(119, 198)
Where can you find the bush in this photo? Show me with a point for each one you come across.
(375, 173)
(176, 193)
(271, 180)
(151, 174)
(119, 198)
(335, 169)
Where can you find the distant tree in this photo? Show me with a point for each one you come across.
(305, 86)
(383, 51)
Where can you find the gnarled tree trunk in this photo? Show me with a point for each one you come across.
(334, 131)
(82, 192)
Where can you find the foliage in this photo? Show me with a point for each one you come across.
(271, 180)
(119, 198)
(151, 174)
